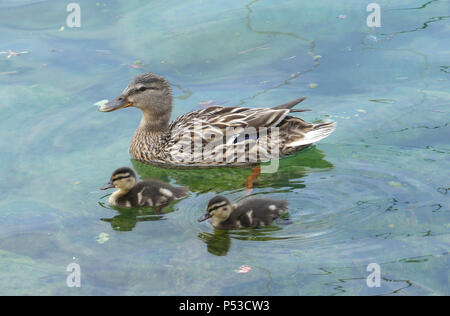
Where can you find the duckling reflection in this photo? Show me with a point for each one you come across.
(218, 242)
(289, 175)
(144, 193)
(252, 212)
(127, 218)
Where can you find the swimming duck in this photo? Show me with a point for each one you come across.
(144, 193)
(160, 143)
(251, 212)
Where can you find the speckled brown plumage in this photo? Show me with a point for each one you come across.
(158, 142)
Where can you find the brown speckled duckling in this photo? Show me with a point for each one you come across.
(252, 212)
(144, 193)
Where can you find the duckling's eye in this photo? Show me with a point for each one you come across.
(142, 89)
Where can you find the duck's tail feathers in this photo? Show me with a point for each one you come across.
(318, 132)
(291, 104)
(300, 110)
(181, 192)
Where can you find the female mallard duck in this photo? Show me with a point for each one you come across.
(212, 133)
(252, 212)
(144, 193)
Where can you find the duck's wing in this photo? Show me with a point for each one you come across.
(291, 104)
(266, 208)
(177, 192)
(258, 211)
(217, 119)
(160, 192)
(142, 194)
(248, 130)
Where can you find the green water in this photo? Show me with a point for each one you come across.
(375, 191)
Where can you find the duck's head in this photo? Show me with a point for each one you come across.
(148, 92)
(219, 209)
(123, 178)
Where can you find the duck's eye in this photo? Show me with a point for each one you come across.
(142, 89)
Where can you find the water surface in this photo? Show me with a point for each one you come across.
(376, 191)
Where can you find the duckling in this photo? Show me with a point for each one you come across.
(144, 193)
(160, 143)
(252, 212)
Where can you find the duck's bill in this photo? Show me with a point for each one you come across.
(118, 103)
(204, 217)
(107, 186)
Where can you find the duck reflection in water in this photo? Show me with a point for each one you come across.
(127, 218)
(291, 170)
(218, 242)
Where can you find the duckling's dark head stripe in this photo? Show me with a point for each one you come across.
(216, 202)
(123, 172)
(216, 206)
(120, 176)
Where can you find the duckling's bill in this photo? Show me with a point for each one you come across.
(107, 186)
(205, 216)
(118, 103)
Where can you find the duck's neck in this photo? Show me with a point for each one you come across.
(150, 139)
(156, 115)
(117, 195)
(222, 217)
(154, 123)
